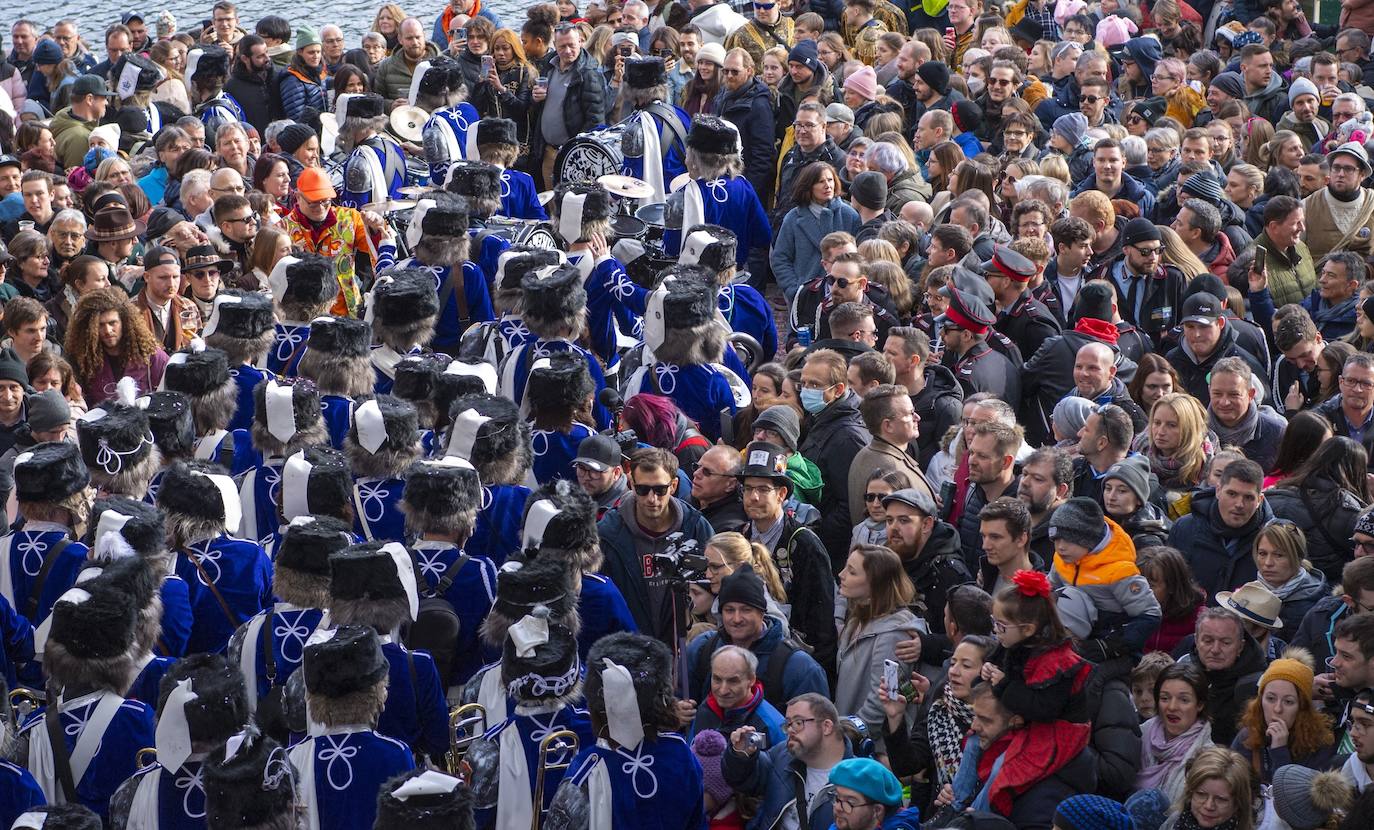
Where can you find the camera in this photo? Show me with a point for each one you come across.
(757, 740)
(624, 51)
(666, 54)
(680, 560)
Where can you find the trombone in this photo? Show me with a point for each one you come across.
(556, 753)
(466, 724)
(20, 703)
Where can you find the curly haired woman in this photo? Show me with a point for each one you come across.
(107, 340)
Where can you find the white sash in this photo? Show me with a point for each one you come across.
(514, 806)
(143, 813)
(385, 358)
(368, 153)
(491, 693)
(302, 757)
(693, 206)
(208, 446)
(41, 759)
(248, 657)
(601, 812)
(653, 157)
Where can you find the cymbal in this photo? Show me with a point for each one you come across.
(679, 182)
(627, 186)
(416, 191)
(409, 123)
(391, 205)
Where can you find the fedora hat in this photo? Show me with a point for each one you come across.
(205, 256)
(1254, 603)
(114, 222)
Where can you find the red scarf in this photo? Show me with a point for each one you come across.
(1033, 753)
(449, 12)
(755, 695)
(1097, 329)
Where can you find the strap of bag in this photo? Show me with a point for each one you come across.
(62, 761)
(269, 655)
(668, 116)
(362, 514)
(777, 666)
(210, 583)
(36, 594)
(452, 287)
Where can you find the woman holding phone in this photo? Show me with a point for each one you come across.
(508, 80)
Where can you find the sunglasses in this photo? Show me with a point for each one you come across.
(659, 490)
(1092, 99)
(839, 282)
(765, 6)
(872, 497)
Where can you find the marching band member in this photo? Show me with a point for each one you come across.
(424, 800)
(559, 395)
(417, 378)
(658, 136)
(640, 772)
(337, 357)
(200, 706)
(491, 341)
(403, 307)
(135, 77)
(715, 248)
(343, 762)
(315, 481)
(202, 374)
(269, 647)
(136, 577)
(719, 194)
(117, 446)
(440, 503)
(437, 87)
(286, 418)
(438, 235)
(39, 561)
(242, 325)
(498, 144)
(382, 444)
(489, 433)
(249, 782)
(304, 288)
(541, 669)
(480, 184)
(173, 431)
(376, 166)
(207, 70)
(89, 660)
(230, 579)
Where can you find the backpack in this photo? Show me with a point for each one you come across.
(772, 679)
(436, 626)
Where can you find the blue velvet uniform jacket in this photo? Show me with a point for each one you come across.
(497, 534)
(472, 593)
(242, 574)
(247, 379)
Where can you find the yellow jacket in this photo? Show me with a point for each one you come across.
(1184, 104)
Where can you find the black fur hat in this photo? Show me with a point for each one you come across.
(49, 472)
(597, 206)
(573, 526)
(521, 588)
(146, 79)
(450, 386)
(309, 541)
(187, 490)
(436, 491)
(196, 373)
(207, 62)
(364, 106)
(710, 246)
(560, 385)
(519, 260)
(327, 490)
(497, 438)
(220, 707)
(448, 217)
(305, 403)
(551, 672)
(64, 816)
(496, 131)
(365, 573)
(310, 280)
(415, 376)
(142, 525)
(245, 315)
(711, 134)
(132, 576)
(433, 809)
(172, 422)
(403, 296)
(438, 78)
(476, 180)
(553, 298)
(650, 665)
(400, 424)
(95, 621)
(645, 73)
(114, 437)
(341, 336)
(690, 302)
(254, 787)
(349, 659)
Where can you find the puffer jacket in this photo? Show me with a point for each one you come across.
(751, 111)
(1116, 727)
(299, 90)
(1127, 611)
(584, 107)
(835, 436)
(1326, 516)
(1317, 630)
(1220, 556)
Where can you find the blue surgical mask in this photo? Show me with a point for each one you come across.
(813, 400)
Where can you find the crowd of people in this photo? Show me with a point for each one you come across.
(776, 414)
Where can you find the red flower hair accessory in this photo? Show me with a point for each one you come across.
(1032, 584)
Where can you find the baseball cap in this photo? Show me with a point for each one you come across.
(8, 160)
(1201, 308)
(912, 497)
(599, 452)
(129, 17)
(90, 85)
(314, 184)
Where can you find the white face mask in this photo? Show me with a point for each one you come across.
(975, 86)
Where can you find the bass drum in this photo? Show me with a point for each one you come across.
(531, 232)
(589, 156)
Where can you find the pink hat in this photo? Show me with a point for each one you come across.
(1064, 9)
(863, 83)
(1114, 30)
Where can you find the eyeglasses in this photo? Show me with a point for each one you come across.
(659, 490)
(711, 474)
(803, 125)
(1092, 99)
(1158, 250)
(727, 71)
(1345, 168)
(796, 724)
(1360, 544)
(758, 489)
(1000, 627)
(1362, 385)
(205, 274)
(851, 804)
(813, 384)
(1159, 77)
(1016, 134)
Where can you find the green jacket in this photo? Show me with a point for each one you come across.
(73, 137)
(1292, 274)
(806, 476)
(394, 74)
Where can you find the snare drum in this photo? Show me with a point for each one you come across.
(399, 221)
(417, 171)
(627, 227)
(589, 156)
(532, 232)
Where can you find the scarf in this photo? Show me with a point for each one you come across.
(947, 724)
(1098, 329)
(1238, 435)
(1168, 468)
(1160, 755)
(1187, 822)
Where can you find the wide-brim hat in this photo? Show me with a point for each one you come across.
(1253, 603)
(113, 223)
(763, 460)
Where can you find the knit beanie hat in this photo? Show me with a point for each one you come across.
(1204, 186)
(1071, 413)
(1294, 670)
(744, 586)
(863, 83)
(805, 54)
(1134, 472)
(1305, 798)
(1139, 230)
(1301, 87)
(1230, 83)
(306, 36)
(1091, 812)
(783, 420)
(869, 189)
(12, 369)
(1368, 308)
(968, 116)
(1148, 808)
(709, 747)
(935, 75)
(1364, 523)
(292, 136)
(1071, 127)
(1080, 522)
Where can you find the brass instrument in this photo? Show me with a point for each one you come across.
(556, 752)
(146, 757)
(21, 703)
(461, 733)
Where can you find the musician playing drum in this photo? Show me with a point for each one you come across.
(376, 166)
(656, 132)
(497, 144)
(437, 88)
(719, 194)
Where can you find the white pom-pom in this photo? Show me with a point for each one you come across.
(127, 391)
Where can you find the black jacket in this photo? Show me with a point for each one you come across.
(1331, 410)
(1230, 689)
(751, 111)
(1194, 373)
(1028, 323)
(792, 164)
(1034, 809)
(1163, 297)
(1147, 527)
(936, 568)
(256, 94)
(810, 584)
(1220, 556)
(940, 404)
(1317, 630)
(984, 369)
(1116, 727)
(584, 106)
(1047, 376)
(725, 515)
(1326, 516)
(834, 436)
